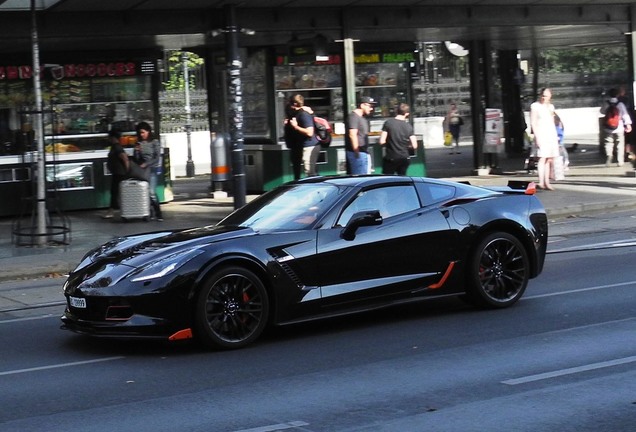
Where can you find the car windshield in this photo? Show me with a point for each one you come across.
(291, 207)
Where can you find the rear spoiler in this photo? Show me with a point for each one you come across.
(528, 187)
(514, 186)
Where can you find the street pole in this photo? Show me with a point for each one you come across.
(188, 110)
(235, 99)
(41, 175)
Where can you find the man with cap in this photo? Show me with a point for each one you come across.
(357, 139)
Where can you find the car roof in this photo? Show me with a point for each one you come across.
(356, 180)
(371, 180)
(376, 179)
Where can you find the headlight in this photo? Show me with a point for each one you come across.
(165, 265)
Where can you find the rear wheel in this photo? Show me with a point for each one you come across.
(232, 309)
(498, 271)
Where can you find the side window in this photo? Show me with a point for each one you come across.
(389, 201)
(434, 193)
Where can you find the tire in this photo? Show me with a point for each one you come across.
(498, 271)
(232, 309)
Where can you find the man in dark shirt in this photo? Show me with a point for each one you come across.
(118, 165)
(300, 137)
(398, 137)
(357, 139)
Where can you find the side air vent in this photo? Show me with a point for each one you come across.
(283, 258)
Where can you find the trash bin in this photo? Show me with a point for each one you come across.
(266, 166)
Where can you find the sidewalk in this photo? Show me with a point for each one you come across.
(589, 186)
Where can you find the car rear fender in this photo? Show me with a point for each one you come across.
(513, 228)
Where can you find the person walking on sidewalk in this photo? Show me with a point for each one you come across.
(454, 124)
(148, 156)
(545, 136)
(614, 133)
(398, 137)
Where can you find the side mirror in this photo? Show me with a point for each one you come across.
(360, 219)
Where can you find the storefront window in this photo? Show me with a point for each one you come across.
(70, 176)
(81, 103)
(383, 76)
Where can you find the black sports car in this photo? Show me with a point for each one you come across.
(309, 249)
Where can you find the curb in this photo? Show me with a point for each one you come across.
(591, 208)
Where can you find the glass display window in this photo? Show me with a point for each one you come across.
(9, 175)
(90, 118)
(255, 90)
(67, 176)
(387, 83)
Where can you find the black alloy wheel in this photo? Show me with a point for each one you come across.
(232, 309)
(498, 272)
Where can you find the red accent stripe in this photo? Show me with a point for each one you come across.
(181, 335)
(447, 273)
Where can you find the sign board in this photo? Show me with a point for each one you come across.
(493, 131)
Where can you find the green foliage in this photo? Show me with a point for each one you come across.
(585, 60)
(175, 70)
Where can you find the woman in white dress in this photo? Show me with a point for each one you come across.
(546, 139)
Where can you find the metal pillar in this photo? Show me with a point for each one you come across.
(188, 110)
(41, 175)
(350, 75)
(477, 101)
(235, 108)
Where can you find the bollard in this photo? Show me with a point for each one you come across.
(220, 168)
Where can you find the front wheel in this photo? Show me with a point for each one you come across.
(232, 309)
(498, 271)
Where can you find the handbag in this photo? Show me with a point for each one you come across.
(448, 139)
(137, 172)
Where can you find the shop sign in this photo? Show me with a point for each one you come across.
(15, 72)
(73, 70)
(397, 57)
(301, 52)
(400, 57)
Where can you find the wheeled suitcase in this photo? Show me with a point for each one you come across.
(134, 199)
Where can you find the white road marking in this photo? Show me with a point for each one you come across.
(28, 318)
(594, 246)
(570, 371)
(61, 365)
(276, 427)
(594, 288)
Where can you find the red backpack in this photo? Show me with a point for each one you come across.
(612, 117)
(322, 131)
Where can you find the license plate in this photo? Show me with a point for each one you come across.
(77, 302)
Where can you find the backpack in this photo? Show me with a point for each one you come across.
(612, 117)
(322, 131)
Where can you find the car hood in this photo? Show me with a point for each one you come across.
(140, 249)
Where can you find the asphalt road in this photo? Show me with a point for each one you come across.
(561, 360)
